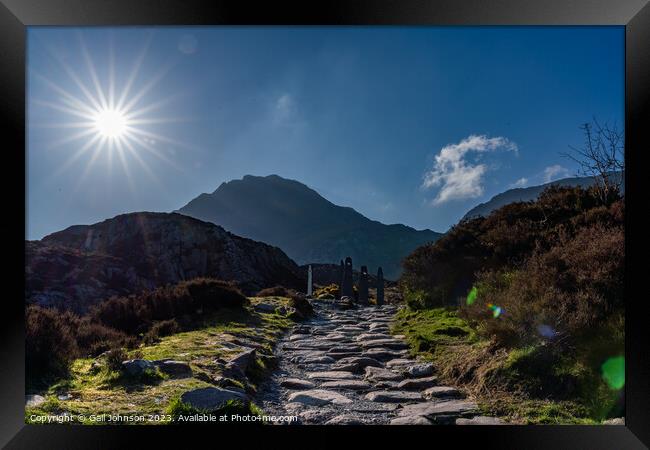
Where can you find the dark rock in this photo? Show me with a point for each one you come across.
(393, 396)
(355, 364)
(356, 385)
(344, 349)
(136, 367)
(441, 392)
(176, 369)
(244, 359)
(295, 383)
(332, 375)
(440, 411)
(380, 374)
(480, 420)
(268, 308)
(418, 384)
(211, 399)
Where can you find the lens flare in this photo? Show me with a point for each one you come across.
(471, 297)
(496, 310)
(546, 331)
(613, 371)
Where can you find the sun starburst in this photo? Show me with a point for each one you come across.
(110, 119)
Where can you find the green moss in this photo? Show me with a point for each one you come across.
(426, 329)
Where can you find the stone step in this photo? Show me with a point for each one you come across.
(357, 385)
(319, 397)
(332, 375)
(394, 396)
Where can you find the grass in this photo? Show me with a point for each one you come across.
(505, 382)
(95, 390)
(427, 329)
(177, 409)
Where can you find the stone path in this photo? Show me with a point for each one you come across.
(344, 367)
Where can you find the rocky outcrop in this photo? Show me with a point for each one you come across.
(129, 253)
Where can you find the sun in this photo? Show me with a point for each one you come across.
(110, 123)
(113, 119)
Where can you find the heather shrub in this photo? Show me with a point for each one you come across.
(446, 269)
(276, 291)
(557, 293)
(94, 338)
(50, 343)
(210, 294)
(161, 329)
(301, 304)
(114, 359)
(136, 313)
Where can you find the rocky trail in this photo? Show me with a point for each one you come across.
(343, 367)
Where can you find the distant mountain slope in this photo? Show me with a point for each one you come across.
(83, 264)
(309, 228)
(524, 195)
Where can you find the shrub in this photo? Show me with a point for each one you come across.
(114, 359)
(567, 289)
(276, 291)
(447, 268)
(136, 313)
(94, 338)
(50, 343)
(211, 294)
(161, 329)
(301, 304)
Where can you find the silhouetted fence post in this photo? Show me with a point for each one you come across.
(380, 287)
(346, 285)
(363, 286)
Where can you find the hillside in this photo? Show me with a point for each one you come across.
(129, 253)
(524, 195)
(309, 228)
(525, 307)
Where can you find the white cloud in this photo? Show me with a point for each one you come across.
(521, 182)
(458, 177)
(554, 173)
(284, 109)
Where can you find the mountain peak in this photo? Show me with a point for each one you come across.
(309, 228)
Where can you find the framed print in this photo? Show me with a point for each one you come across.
(402, 219)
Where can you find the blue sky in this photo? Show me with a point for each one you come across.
(412, 125)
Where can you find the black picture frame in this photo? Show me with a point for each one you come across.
(16, 15)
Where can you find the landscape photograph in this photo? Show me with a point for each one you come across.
(325, 225)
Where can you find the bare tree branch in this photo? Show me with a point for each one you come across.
(602, 156)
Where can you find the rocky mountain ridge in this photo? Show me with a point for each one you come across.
(83, 264)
